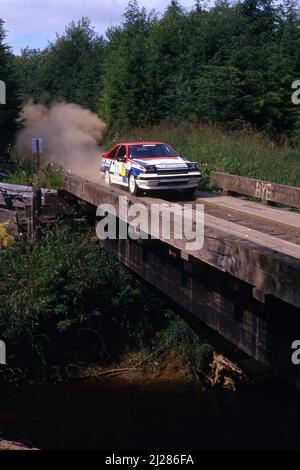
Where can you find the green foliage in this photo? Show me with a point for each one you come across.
(9, 111)
(188, 344)
(123, 84)
(28, 175)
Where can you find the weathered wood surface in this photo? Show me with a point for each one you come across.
(23, 206)
(271, 266)
(283, 217)
(17, 196)
(266, 191)
(259, 238)
(36, 209)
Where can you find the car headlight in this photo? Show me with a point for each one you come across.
(193, 166)
(151, 169)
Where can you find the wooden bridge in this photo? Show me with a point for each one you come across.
(245, 281)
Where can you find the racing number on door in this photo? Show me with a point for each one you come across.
(118, 168)
(121, 159)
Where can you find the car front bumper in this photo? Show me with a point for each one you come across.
(176, 181)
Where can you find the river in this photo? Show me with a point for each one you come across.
(124, 413)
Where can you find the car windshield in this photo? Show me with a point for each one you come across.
(152, 150)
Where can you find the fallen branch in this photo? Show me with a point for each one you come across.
(136, 367)
(116, 371)
(155, 353)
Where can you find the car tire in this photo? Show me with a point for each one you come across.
(107, 180)
(190, 193)
(132, 186)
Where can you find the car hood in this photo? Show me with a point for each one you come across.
(162, 163)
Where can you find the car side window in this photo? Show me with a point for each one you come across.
(121, 157)
(113, 153)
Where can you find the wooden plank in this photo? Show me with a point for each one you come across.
(280, 216)
(266, 191)
(15, 188)
(252, 235)
(25, 191)
(11, 202)
(259, 238)
(36, 204)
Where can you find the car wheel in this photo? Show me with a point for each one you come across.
(189, 193)
(107, 178)
(132, 186)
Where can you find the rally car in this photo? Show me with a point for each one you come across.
(143, 166)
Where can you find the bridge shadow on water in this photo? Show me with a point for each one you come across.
(150, 413)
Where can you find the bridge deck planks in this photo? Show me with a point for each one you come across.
(259, 238)
(283, 217)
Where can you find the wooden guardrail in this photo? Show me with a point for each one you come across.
(266, 191)
(16, 196)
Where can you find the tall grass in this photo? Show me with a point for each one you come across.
(243, 152)
(28, 175)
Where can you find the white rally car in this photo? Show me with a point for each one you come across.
(142, 166)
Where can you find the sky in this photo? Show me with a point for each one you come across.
(35, 22)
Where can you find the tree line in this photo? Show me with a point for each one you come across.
(232, 64)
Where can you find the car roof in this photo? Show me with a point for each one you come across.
(141, 143)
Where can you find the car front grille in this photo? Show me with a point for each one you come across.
(173, 172)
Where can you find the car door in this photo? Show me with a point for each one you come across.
(112, 158)
(118, 168)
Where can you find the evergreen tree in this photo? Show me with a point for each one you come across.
(68, 69)
(8, 112)
(122, 99)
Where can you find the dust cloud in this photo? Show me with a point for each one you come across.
(71, 136)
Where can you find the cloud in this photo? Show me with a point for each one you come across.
(35, 22)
